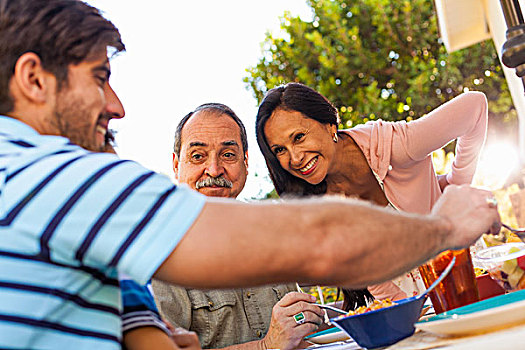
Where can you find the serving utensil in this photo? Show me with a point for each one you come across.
(520, 232)
(388, 325)
(444, 274)
(439, 279)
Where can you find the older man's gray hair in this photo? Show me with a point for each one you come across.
(212, 107)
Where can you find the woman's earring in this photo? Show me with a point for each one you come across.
(335, 138)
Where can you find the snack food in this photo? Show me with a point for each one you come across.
(479, 271)
(511, 274)
(505, 264)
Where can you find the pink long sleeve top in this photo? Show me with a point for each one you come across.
(399, 153)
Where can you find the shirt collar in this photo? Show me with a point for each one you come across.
(16, 128)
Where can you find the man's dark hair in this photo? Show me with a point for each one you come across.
(218, 108)
(60, 32)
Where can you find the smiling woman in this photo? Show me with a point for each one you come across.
(386, 163)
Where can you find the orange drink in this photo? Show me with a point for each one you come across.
(459, 288)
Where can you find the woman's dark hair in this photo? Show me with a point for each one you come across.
(300, 98)
(60, 32)
(354, 298)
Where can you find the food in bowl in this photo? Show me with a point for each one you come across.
(377, 304)
(505, 264)
(383, 326)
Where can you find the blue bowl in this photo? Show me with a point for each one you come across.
(384, 326)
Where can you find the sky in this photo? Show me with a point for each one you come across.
(181, 54)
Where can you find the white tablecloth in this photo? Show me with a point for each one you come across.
(512, 338)
(508, 338)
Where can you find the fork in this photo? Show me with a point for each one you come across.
(321, 299)
(322, 305)
(329, 307)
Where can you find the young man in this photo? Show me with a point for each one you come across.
(211, 156)
(142, 326)
(72, 219)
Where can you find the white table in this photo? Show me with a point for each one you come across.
(511, 338)
(507, 338)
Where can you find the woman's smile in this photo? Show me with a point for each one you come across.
(310, 167)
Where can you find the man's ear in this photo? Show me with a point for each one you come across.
(31, 80)
(175, 165)
(246, 161)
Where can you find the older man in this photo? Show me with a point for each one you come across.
(71, 219)
(211, 156)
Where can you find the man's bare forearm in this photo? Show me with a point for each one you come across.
(383, 244)
(341, 242)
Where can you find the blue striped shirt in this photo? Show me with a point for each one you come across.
(70, 221)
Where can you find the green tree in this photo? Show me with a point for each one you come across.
(378, 59)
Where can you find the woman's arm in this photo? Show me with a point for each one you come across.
(463, 118)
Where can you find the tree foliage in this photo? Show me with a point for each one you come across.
(378, 59)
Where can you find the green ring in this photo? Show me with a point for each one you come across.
(299, 318)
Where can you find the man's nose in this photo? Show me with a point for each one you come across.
(113, 105)
(214, 167)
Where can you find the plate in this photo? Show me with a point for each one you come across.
(329, 335)
(486, 315)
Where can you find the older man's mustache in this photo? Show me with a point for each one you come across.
(214, 181)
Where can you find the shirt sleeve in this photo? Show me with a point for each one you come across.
(463, 118)
(114, 215)
(139, 308)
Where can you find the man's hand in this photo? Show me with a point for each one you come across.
(284, 332)
(186, 339)
(469, 213)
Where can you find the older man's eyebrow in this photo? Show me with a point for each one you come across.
(198, 144)
(230, 143)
